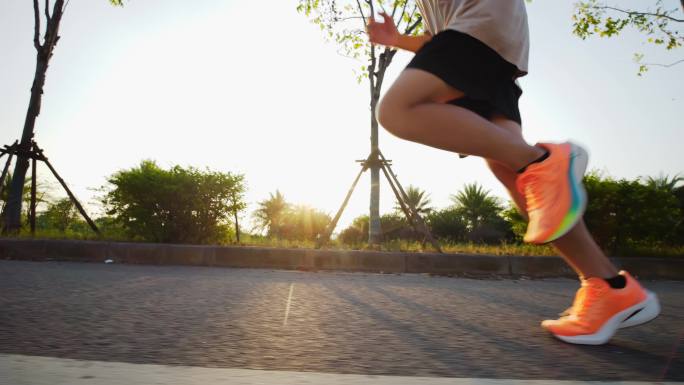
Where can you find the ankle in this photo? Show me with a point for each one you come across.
(536, 155)
(617, 282)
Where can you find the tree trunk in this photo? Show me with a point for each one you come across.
(32, 209)
(376, 79)
(13, 212)
(374, 229)
(43, 55)
(237, 226)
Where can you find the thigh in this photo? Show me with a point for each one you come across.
(415, 86)
(506, 124)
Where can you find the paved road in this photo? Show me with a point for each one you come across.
(407, 325)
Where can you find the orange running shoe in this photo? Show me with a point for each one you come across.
(599, 310)
(554, 192)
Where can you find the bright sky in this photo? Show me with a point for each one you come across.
(251, 87)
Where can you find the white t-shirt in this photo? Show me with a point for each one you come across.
(500, 24)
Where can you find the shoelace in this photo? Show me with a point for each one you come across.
(579, 297)
(533, 187)
(589, 296)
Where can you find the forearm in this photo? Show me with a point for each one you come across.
(412, 43)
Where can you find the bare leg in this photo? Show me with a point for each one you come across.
(577, 247)
(414, 109)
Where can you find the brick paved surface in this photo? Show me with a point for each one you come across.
(410, 325)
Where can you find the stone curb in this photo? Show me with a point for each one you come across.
(313, 260)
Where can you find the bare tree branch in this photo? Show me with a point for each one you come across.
(632, 13)
(52, 29)
(664, 65)
(47, 9)
(414, 25)
(36, 27)
(396, 3)
(401, 15)
(341, 53)
(350, 18)
(361, 12)
(373, 61)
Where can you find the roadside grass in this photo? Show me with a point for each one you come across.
(408, 246)
(504, 248)
(654, 251)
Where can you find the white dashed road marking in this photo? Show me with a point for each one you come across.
(287, 307)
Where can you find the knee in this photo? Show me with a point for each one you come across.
(385, 113)
(390, 114)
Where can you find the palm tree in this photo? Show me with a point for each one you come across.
(476, 204)
(302, 222)
(270, 214)
(418, 199)
(663, 182)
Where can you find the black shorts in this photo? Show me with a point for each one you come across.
(472, 67)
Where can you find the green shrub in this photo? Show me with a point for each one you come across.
(623, 215)
(448, 224)
(179, 205)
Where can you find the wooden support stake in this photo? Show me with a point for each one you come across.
(402, 202)
(10, 154)
(32, 209)
(422, 226)
(325, 237)
(71, 196)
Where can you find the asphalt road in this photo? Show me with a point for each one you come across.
(407, 325)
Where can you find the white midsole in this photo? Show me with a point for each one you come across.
(650, 307)
(579, 160)
(580, 163)
(649, 312)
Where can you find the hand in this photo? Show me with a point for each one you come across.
(384, 33)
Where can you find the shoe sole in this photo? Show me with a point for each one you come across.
(640, 313)
(579, 158)
(641, 316)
